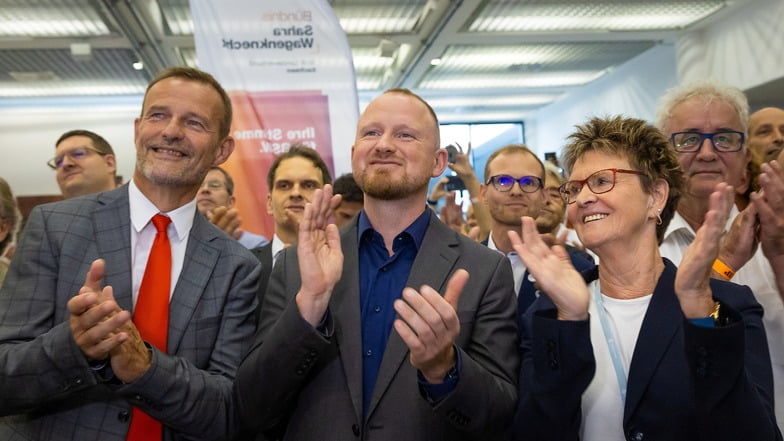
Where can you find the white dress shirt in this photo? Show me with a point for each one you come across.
(518, 267)
(143, 234)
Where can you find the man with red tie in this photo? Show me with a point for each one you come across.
(125, 314)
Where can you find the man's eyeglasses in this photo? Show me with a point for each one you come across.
(600, 182)
(723, 142)
(504, 183)
(213, 185)
(76, 154)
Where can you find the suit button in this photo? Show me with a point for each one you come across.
(635, 435)
(123, 416)
(355, 429)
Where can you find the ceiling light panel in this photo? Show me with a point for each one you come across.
(372, 17)
(478, 101)
(69, 88)
(531, 80)
(544, 57)
(65, 18)
(604, 15)
(189, 56)
(106, 63)
(356, 17)
(366, 60)
(369, 68)
(177, 15)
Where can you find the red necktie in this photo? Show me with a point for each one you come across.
(151, 317)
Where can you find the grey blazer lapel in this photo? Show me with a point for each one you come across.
(433, 264)
(348, 326)
(112, 227)
(193, 280)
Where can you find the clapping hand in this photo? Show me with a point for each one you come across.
(95, 318)
(691, 281)
(319, 253)
(429, 326)
(553, 270)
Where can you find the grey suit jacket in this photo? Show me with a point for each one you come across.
(294, 373)
(48, 390)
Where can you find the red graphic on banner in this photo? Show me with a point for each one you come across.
(265, 125)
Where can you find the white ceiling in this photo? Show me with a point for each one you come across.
(500, 59)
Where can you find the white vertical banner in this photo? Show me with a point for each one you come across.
(289, 71)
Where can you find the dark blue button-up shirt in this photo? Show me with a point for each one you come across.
(381, 280)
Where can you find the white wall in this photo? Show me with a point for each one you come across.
(631, 90)
(27, 137)
(744, 49)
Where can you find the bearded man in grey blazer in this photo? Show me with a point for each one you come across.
(396, 329)
(72, 362)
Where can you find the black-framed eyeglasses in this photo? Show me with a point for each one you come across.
(726, 141)
(504, 183)
(76, 153)
(599, 182)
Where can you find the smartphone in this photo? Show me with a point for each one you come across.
(454, 184)
(452, 150)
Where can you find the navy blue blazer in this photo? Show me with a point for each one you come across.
(685, 382)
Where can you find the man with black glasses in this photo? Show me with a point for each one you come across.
(84, 162)
(514, 187)
(707, 123)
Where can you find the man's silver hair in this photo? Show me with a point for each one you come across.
(708, 90)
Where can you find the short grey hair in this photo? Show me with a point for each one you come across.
(708, 90)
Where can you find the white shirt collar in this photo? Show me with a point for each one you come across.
(142, 210)
(277, 246)
(678, 223)
(491, 244)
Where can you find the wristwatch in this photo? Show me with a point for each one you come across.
(715, 313)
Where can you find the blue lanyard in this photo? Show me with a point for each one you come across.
(612, 342)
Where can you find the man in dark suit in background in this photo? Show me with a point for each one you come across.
(291, 180)
(356, 339)
(72, 359)
(351, 199)
(514, 187)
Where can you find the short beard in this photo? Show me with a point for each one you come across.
(179, 180)
(380, 186)
(546, 228)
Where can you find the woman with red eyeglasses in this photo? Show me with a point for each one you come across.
(644, 350)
